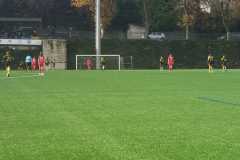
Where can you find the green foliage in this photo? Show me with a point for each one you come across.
(128, 12)
(146, 53)
(163, 15)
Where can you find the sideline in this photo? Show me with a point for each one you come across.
(16, 77)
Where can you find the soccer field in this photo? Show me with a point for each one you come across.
(127, 115)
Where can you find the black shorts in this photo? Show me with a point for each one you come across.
(211, 63)
(29, 64)
(7, 64)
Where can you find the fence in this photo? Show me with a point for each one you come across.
(170, 36)
(69, 33)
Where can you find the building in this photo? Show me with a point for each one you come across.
(136, 32)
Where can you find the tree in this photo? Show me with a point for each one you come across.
(224, 10)
(146, 11)
(204, 21)
(226, 15)
(127, 12)
(19, 5)
(189, 9)
(79, 3)
(108, 10)
(163, 15)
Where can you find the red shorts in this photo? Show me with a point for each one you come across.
(170, 66)
(41, 64)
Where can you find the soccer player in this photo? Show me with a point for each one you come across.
(41, 64)
(28, 61)
(7, 58)
(103, 63)
(21, 65)
(210, 62)
(52, 62)
(170, 62)
(34, 63)
(47, 63)
(161, 62)
(224, 63)
(89, 63)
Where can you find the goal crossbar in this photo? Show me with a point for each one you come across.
(94, 55)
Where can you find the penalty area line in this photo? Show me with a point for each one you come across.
(18, 77)
(215, 100)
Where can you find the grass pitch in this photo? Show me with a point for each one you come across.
(142, 115)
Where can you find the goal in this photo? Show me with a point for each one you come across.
(127, 62)
(92, 62)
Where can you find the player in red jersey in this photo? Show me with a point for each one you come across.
(34, 63)
(170, 62)
(88, 63)
(41, 64)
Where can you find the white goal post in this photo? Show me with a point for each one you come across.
(97, 58)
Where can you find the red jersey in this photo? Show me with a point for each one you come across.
(170, 60)
(89, 62)
(41, 60)
(34, 61)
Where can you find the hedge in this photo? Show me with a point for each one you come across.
(146, 53)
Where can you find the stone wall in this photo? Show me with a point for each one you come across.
(56, 50)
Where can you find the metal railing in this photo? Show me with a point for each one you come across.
(121, 35)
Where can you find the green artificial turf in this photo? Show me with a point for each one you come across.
(127, 115)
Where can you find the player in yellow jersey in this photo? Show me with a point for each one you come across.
(210, 63)
(7, 59)
(161, 60)
(224, 63)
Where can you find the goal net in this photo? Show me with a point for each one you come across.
(127, 62)
(93, 62)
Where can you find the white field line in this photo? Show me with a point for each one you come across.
(17, 77)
